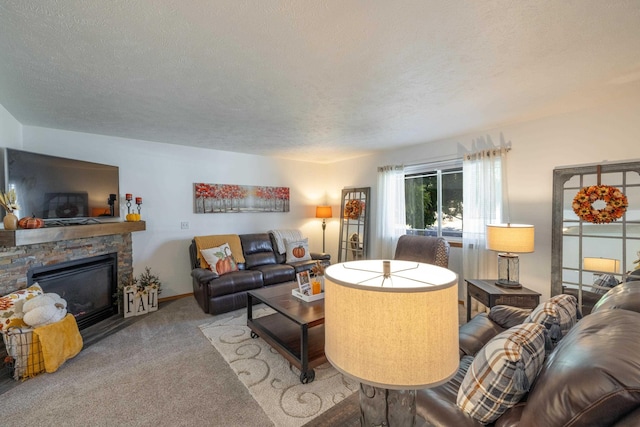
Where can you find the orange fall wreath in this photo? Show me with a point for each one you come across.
(353, 208)
(616, 204)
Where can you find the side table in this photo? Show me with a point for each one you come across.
(490, 294)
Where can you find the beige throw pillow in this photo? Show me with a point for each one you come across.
(297, 250)
(220, 259)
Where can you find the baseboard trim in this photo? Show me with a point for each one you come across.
(175, 297)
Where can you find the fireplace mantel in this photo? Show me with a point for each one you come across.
(22, 237)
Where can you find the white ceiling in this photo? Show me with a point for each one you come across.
(314, 80)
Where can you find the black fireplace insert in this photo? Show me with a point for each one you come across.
(89, 286)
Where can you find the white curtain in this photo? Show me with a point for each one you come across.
(391, 213)
(485, 202)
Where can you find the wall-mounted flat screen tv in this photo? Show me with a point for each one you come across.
(61, 190)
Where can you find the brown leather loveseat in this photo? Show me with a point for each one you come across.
(591, 378)
(261, 265)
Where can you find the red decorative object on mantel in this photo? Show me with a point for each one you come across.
(129, 197)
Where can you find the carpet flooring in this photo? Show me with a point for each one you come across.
(270, 378)
(159, 371)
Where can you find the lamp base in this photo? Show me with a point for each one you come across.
(389, 408)
(508, 284)
(324, 227)
(508, 270)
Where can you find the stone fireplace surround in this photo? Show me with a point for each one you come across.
(54, 245)
(22, 250)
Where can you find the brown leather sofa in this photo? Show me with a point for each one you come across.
(592, 377)
(263, 266)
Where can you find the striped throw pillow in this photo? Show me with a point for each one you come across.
(502, 372)
(558, 314)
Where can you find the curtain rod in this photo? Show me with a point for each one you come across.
(390, 167)
(487, 152)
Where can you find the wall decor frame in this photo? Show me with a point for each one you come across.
(354, 224)
(232, 198)
(575, 240)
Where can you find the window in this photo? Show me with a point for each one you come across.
(433, 199)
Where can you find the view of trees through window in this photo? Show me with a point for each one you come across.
(433, 202)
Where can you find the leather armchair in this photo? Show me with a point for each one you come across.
(427, 249)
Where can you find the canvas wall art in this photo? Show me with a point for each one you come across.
(221, 198)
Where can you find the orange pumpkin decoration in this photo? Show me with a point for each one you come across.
(223, 265)
(298, 251)
(30, 222)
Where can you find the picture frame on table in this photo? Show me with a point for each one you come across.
(304, 282)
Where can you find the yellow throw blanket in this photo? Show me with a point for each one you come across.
(35, 364)
(59, 342)
(212, 241)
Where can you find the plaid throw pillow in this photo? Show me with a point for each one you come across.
(558, 314)
(604, 283)
(502, 372)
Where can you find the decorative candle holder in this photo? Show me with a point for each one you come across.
(139, 203)
(128, 198)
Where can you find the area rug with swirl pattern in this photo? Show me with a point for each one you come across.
(270, 378)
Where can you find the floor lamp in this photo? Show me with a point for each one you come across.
(323, 212)
(393, 326)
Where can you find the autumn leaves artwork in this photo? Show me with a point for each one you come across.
(220, 198)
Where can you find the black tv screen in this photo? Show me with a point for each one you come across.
(62, 190)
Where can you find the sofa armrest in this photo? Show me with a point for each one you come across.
(591, 378)
(437, 405)
(624, 296)
(474, 334)
(507, 316)
(320, 256)
(202, 275)
(630, 420)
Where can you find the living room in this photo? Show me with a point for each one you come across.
(164, 177)
(594, 123)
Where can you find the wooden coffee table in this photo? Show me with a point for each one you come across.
(295, 330)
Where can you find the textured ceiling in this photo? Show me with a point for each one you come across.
(314, 80)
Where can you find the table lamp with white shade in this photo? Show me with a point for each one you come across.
(509, 240)
(393, 326)
(602, 265)
(602, 269)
